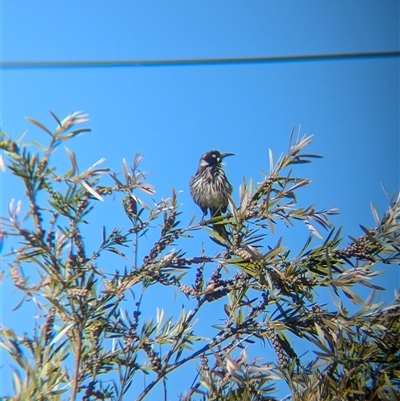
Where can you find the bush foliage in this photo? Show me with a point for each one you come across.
(90, 345)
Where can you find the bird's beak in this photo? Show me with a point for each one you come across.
(223, 155)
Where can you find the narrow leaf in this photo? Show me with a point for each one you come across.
(271, 160)
(374, 213)
(313, 229)
(55, 117)
(20, 136)
(92, 191)
(61, 333)
(40, 125)
(125, 172)
(72, 159)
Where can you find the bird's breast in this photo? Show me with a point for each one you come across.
(212, 188)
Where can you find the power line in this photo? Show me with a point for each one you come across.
(196, 61)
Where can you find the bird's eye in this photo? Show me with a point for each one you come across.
(214, 155)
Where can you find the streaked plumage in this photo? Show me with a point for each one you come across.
(209, 187)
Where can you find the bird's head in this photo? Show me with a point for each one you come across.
(213, 158)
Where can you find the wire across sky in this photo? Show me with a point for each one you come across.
(196, 61)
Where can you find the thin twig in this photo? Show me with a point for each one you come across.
(75, 378)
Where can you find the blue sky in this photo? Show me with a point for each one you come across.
(173, 114)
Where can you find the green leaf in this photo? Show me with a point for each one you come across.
(40, 125)
(55, 117)
(62, 332)
(271, 161)
(72, 160)
(17, 381)
(92, 191)
(375, 213)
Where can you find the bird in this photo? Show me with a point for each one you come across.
(210, 188)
